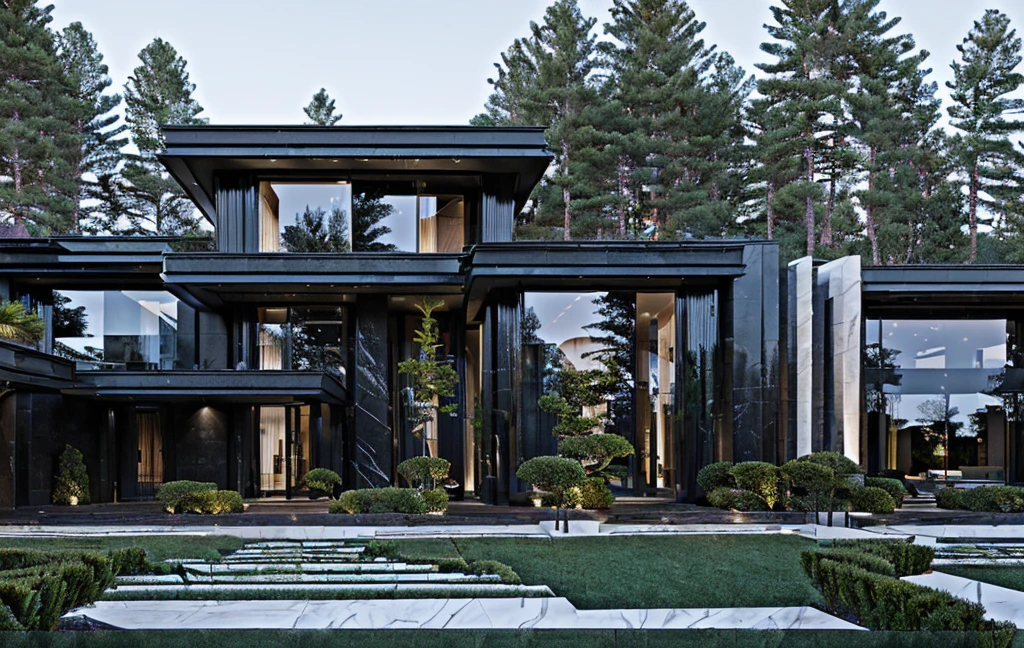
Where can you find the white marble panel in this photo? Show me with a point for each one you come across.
(1001, 604)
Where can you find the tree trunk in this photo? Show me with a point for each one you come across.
(771, 209)
(973, 224)
(830, 205)
(622, 198)
(809, 212)
(870, 222)
(566, 193)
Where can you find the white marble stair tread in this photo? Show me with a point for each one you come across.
(430, 577)
(464, 614)
(347, 567)
(150, 579)
(464, 589)
(982, 562)
(1001, 603)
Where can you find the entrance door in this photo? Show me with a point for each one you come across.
(284, 448)
(150, 453)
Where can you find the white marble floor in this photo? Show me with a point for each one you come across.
(1001, 604)
(466, 614)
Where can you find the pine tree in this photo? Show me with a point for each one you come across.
(803, 103)
(96, 162)
(982, 81)
(317, 231)
(516, 78)
(368, 210)
(563, 51)
(321, 111)
(37, 113)
(158, 93)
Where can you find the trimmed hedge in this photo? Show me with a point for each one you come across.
(211, 503)
(894, 487)
(881, 602)
(714, 476)
(806, 503)
(172, 493)
(436, 499)
(871, 499)
(907, 558)
(37, 588)
(591, 494)
(380, 500)
(988, 499)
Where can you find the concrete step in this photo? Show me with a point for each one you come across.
(309, 568)
(259, 579)
(450, 590)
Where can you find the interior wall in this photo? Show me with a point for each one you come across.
(201, 447)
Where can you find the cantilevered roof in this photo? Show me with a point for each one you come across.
(195, 154)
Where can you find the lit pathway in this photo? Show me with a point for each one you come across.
(462, 614)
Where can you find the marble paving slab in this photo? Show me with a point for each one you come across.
(386, 577)
(464, 614)
(341, 588)
(1008, 532)
(1001, 603)
(311, 568)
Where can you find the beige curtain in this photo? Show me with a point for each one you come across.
(270, 222)
(272, 448)
(270, 350)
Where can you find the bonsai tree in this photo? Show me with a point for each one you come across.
(841, 466)
(815, 478)
(321, 481)
(72, 487)
(555, 475)
(760, 478)
(432, 379)
(595, 451)
(424, 472)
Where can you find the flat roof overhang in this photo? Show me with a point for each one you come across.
(194, 155)
(215, 279)
(975, 290)
(599, 265)
(211, 386)
(25, 366)
(98, 263)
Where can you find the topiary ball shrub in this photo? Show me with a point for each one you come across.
(72, 487)
(424, 472)
(209, 502)
(995, 499)
(173, 493)
(951, 498)
(436, 499)
(714, 476)
(871, 499)
(381, 500)
(321, 482)
(593, 493)
(552, 474)
(595, 451)
(760, 478)
(808, 476)
(734, 499)
(841, 464)
(894, 487)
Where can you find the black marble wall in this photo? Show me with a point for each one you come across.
(201, 446)
(501, 380)
(752, 348)
(371, 450)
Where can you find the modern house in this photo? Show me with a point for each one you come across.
(255, 360)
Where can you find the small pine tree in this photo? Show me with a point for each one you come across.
(431, 378)
(72, 479)
(368, 210)
(316, 231)
(321, 111)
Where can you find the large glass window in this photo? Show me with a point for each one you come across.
(931, 394)
(130, 330)
(302, 339)
(359, 216)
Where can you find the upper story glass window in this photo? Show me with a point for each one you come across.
(131, 330)
(302, 339)
(360, 216)
(936, 344)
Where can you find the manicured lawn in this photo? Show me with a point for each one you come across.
(491, 639)
(1009, 577)
(158, 547)
(648, 571)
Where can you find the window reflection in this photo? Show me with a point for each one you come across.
(301, 339)
(116, 330)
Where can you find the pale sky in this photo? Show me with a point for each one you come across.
(408, 61)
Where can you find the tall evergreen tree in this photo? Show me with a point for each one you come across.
(368, 210)
(37, 112)
(96, 162)
(158, 92)
(516, 78)
(983, 81)
(803, 104)
(321, 111)
(317, 231)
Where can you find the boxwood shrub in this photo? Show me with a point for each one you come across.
(736, 499)
(424, 471)
(950, 498)
(871, 499)
(988, 499)
(894, 487)
(593, 493)
(436, 499)
(321, 482)
(907, 558)
(760, 478)
(172, 493)
(714, 476)
(72, 485)
(380, 500)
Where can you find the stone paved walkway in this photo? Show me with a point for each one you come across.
(463, 614)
